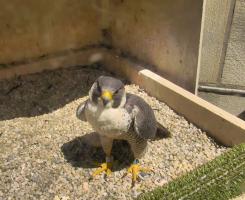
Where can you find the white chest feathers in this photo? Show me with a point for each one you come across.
(110, 122)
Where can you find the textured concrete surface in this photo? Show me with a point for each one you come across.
(230, 71)
(215, 27)
(232, 104)
(33, 28)
(234, 68)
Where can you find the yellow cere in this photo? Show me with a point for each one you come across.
(107, 95)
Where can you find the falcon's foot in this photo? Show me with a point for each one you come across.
(135, 169)
(104, 167)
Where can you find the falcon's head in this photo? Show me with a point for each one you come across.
(108, 92)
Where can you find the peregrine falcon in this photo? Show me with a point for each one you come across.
(115, 114)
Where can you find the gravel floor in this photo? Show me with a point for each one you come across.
(46, 152)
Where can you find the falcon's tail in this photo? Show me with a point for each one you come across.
(162, 132)
(242, 115)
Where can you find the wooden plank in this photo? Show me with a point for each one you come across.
(219, 124)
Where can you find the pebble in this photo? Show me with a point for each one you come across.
(160, 182)
(85, 187)
(56, 198)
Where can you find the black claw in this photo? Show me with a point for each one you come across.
(133, 184)
(124, 175)
(139, 178)
(105, 177)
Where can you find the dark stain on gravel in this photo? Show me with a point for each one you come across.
(41, 93)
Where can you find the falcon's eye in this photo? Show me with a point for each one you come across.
(117, 91)
(99, 88)
(96, 93)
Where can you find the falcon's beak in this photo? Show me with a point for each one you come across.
(106, 96)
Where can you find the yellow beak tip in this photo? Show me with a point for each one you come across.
(107, 95)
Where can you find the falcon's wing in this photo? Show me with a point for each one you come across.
(80, 113)
(144, 121)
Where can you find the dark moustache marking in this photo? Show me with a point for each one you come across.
(96, 93)
(117, 97)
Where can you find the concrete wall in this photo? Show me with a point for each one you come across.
(232, 104)
(223, 49)
(34, 28)
(162, 33)
(215, 29)
(223, 52)
(234, 66)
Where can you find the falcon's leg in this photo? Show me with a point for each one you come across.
(107, 146)
(138, 147)
(135, 169)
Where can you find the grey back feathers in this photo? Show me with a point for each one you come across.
(144, 122)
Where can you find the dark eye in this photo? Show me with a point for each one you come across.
(96, 93)
(117, 91)
(98, 88)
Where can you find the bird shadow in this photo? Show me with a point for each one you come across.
(86, 152)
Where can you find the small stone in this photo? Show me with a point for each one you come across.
(65, 198)
(160, 182)
(85, 187)
(135, 193)
(57, 198)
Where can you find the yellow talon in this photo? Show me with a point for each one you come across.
(135, 169)
(104, 167)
